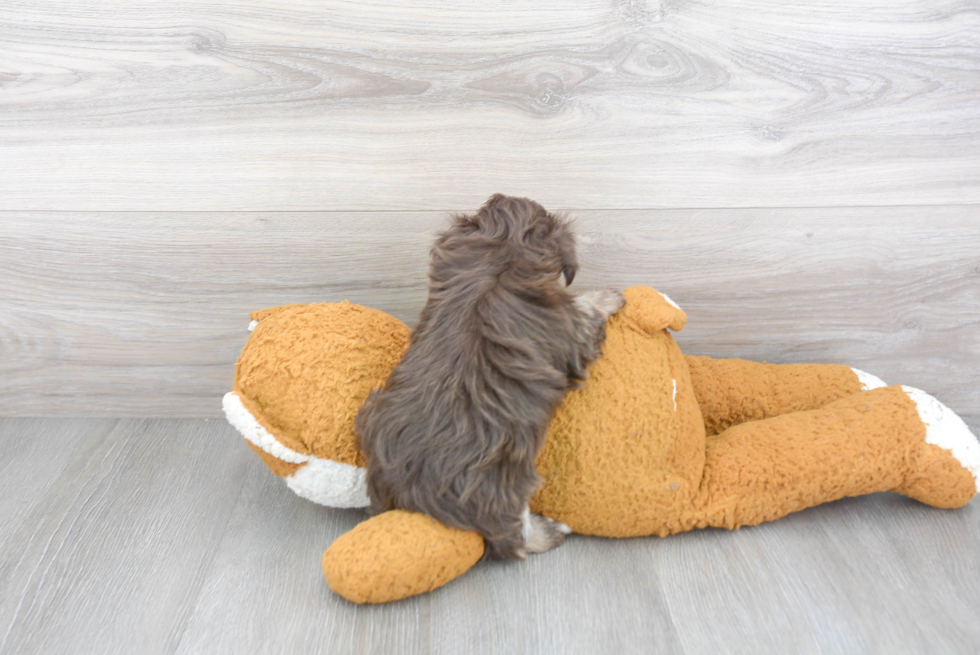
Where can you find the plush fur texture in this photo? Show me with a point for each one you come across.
(455, 430)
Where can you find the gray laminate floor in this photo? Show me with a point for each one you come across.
(162, 536)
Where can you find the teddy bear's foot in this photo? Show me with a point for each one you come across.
(947, 467)
(868, 381)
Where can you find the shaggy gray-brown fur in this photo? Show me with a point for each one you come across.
(455, 430)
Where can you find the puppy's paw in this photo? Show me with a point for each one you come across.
(542, 534)
(604, 301)
(611, 302)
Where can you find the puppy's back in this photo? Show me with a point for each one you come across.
(456, 428)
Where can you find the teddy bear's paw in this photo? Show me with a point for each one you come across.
(253, 431)
(330, 483)
(322, 481)
(944, 428)
(948, 472)
(868, 381)
(398, 554)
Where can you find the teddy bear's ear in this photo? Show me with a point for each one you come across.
(262, 314)
(653, 311)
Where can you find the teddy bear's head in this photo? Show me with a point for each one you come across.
(302, 376)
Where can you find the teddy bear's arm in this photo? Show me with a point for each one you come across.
(889, 439)
(733, 391)
(398, 554)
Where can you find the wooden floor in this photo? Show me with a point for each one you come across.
(170, 536)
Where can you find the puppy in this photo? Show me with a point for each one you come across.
(456, 428)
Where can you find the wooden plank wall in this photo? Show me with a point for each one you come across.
(804, 178)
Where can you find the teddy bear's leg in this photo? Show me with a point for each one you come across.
(889, 439)
(733, 391)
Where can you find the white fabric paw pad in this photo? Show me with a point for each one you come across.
(944, 428)
(868, 381)
(331, 483)
(243, 421)
(322, 481)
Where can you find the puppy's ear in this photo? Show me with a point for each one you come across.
(566, 250)
(568, 273)
(551, 238)
(538, 233)
(465, 224)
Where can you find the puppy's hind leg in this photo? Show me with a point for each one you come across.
(540, 533)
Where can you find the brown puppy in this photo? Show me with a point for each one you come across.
(455, 430)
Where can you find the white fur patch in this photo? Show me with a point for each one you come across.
(331, 483)
(244, 422)
(671, 302)
(868, 381)
(251, 326)
(323, 481)
(948, 431)
(675, 395)
(526, 526)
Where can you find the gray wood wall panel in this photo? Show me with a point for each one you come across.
(297, 105)
(144, 314)
(172, 537)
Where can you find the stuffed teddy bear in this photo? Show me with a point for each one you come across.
(654, 442)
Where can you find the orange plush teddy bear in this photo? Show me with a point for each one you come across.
(653, 443)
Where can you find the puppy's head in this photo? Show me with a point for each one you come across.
(531, 250)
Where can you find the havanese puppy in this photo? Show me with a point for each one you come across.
(456, 428)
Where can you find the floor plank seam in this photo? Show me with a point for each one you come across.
(653, 208)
